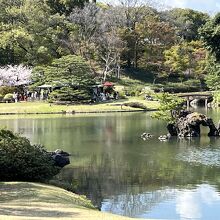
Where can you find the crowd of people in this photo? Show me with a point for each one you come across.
(31, 96)
(100, 94)
(104, 96)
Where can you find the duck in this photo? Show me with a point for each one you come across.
(163, 138)
(145, 136)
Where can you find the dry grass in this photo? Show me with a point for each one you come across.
(39, 201)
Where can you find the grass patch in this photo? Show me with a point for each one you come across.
(21, 200)
(44, 107)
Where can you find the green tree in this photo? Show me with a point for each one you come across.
(153, 43)
(186, 21)
(29, 33)
(135, 14)
(213, 76)
(47, 31)
(70, 74)
(187, 59)
(65, 7)
(13, 36)
(168, 104)
(210, 34)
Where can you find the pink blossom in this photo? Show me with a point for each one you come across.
(15, 75)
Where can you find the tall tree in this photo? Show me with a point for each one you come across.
(65, 6)
(29, 33)
(47, 32)
(81, 40)
(13, 35)
(155, 37)
(71, 74)
(134, 16)
(186, 21)
(210, 34)
(187, 59)
(109, 43)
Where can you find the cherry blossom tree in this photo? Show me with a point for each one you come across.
(15, 75)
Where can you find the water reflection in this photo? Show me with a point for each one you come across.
(123, 174)
(208, 157)
(137, 205)
(192, 204)
(168, 203)
(162, 190)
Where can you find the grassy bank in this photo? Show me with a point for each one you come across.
(39, 201)
(44, 107)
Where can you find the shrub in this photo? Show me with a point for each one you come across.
(21, 161)
(136, 105)
(134, 91)
(8, 97)
(7, 89)
(1, 97)
(70, 94)
(168, 104)
(216, 97)
(121, 95)
(147, 91)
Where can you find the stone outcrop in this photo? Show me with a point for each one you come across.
(188, 125)
(60, 157)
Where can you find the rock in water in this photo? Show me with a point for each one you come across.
(61, 161)
(172, 129)
(60, 157)
(61, 152)
(188, 125)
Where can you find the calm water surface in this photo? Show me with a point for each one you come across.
(122, 174)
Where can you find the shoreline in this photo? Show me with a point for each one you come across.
(44, 108)
(80, 112)
(27, 200)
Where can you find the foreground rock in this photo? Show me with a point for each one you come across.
(188, 125)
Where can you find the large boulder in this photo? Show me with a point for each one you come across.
(172, 129)
(188, 125)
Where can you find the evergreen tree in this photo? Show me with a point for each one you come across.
(70, 74)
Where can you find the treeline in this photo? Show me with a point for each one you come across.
(179, 43)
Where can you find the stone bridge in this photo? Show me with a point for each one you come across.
(206, 96)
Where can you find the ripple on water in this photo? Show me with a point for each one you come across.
(208, 157)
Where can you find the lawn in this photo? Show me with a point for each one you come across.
(20, 200)
(44, 107)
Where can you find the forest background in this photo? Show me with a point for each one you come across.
(134, 44)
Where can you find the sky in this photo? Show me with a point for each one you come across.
(209, 6)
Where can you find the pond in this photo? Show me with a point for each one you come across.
(125, 175)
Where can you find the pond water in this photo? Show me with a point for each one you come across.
(125, 175)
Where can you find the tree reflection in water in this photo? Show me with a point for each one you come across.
(115, 186)
(122, 173)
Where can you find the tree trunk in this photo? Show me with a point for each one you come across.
(118, 71)
(136, 54)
